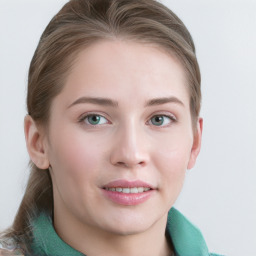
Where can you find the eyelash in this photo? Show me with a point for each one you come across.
(172, 118)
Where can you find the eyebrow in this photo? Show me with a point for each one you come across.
(161, 101)
(96, 101)
(112, 103)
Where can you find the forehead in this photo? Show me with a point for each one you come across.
(126, 69)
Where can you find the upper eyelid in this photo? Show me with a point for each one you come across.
(91, 113)
(161, 113)
(172, 118)
(82, 120)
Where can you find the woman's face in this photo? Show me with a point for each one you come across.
(120, 138)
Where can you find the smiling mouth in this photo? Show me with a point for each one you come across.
(134, 190)
(125, 192)
(128, 196)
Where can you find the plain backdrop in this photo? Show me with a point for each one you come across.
(219, 194)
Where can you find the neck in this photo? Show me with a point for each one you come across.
(91, 241)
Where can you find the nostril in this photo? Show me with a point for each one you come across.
(122, 164)
(127, 165)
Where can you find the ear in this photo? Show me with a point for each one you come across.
(35, 143)
(196, 144)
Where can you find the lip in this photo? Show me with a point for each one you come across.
(128, 199)
(128, 184)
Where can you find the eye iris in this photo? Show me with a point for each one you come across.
(94, 119)
(158, 120)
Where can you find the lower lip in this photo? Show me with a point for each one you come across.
(128, 198)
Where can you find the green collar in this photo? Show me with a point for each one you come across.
(186, 238)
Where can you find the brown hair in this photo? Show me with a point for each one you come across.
(78, 24)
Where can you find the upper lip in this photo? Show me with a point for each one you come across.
(128, 184)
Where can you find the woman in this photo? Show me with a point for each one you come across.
(113, 124)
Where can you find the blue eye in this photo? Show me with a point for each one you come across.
(161, 120)
(95, 119)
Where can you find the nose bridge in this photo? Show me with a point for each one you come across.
(129, 149)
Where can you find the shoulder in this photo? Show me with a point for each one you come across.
(187, 239)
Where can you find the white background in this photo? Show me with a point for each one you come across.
(219, 195)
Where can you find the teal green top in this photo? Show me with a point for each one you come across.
(187, 239)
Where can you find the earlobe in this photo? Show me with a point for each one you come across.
(35, 143)
(196, 144)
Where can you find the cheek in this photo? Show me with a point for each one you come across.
(171, 162)
(76, 168)
(75, 152)
(75, 162)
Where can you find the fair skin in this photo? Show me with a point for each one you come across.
(141, 132)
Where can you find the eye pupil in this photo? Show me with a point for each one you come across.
(157, 120)
(94, 119)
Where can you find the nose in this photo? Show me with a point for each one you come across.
(129, 149)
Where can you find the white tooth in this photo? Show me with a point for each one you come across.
(126, 190)
(129, 190)
(134, 190)
(140, 189)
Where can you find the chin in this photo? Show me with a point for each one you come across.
(127, 231)
(129, 225)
